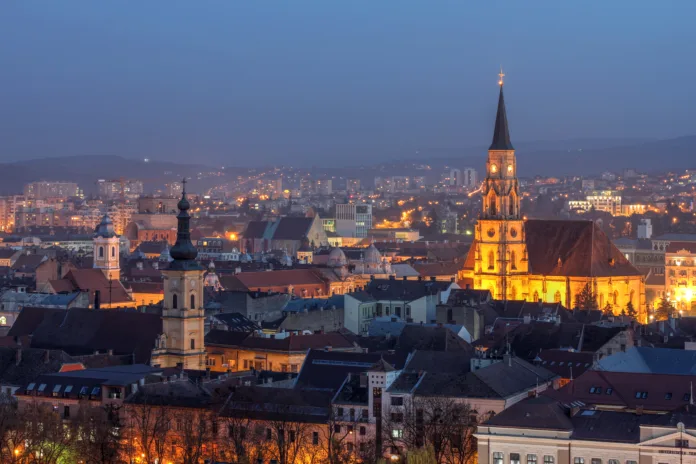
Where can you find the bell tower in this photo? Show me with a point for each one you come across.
(183, 317)
(500, 247)
(106, 249)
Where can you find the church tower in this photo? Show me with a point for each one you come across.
(501, 257)
(183, 316)
(106, 249)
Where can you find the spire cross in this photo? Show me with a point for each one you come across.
(502, 75)
(183, 181)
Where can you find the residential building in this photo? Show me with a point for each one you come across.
(353, 220)
(51, 189)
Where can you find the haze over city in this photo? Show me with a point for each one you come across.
(337, 83)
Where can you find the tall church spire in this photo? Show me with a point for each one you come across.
(501, 135)
(183, 252)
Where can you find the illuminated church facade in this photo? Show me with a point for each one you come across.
(548, 260)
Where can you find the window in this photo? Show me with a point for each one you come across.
(269, 434)
(397, 400)
(175, 302)
(113, 252)
(363, 431)
(497, 458)
(291, 436)
(531, 459)
(536, 296)
(613, 461)
(491, 260)
(337, 428)
(3, 320)
(681, 443)
(315, 438)
(609, 391)
(641, 395)
(101, 252)
(193, 301)
(579, 461)
(397, 433)
(687, 396)
(514, 458)
(596, 390)
(193, 343)
(548, 459)
(596, 461)
(557, 297)
(631, 462)
(42, 387)
(513, 260)
(349, 447)
(31, 386)
(397, 417)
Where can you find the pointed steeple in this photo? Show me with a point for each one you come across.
(183, 252)
(501, 135)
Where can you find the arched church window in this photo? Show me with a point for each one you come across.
(536, 296)
(615, 298)
(193, 301)
(492, 206)
(113, 252)
(601, 300)
(491, 260)
(513, 260)
(513, 293)
(557, 297)
(175, 302)
(512, 206)
(101, 252)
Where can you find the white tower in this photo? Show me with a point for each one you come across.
(106, 249)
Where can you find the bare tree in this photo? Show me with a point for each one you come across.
(98, 437)
(47, 439)
(241, 442)
(195, 429)
(442, 424)
(148, 426)
(12, 431)
(286, 433)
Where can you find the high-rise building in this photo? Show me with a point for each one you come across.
(454, 178)
(182, 341)
(353, 185)
(469, 178)
(324, 186)
(51, 189)
(120, 188)
(173, 189)
(353, 220)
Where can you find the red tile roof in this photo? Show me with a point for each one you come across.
(92, 280)
(254, 280)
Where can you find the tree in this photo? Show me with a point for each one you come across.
(98, 438)
(586, 299)
(12, 431)
(665, 310)
(442, 424)
(195, 428)
(149, 424)
(608, 310)
(47, 439)
(630, 310)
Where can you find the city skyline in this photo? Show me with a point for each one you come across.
(316, 83)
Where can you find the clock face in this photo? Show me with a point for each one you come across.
(192, 283)
(494, 168)
(513, 232)
(510, 168)
(491, 232)
(175, 283)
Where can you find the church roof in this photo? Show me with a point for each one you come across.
(501, 134)
(569, 248)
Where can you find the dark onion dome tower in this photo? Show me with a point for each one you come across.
(183, 253)
(183, 317)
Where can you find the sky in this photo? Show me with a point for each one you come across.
(333, 83)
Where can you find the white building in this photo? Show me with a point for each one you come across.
(353, 220)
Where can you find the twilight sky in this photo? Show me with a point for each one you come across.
(336, 82)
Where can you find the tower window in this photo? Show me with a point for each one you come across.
(491, 260)
(175, 302)
(101, 252)
(193, 301)
(513, 260)
(113, 252)
(193, 343)
(557, 297)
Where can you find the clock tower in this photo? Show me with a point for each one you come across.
(501, 255)
(183, 317)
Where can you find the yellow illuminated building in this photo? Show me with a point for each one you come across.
(680, 275)
(549, 260)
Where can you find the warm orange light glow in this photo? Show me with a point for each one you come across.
(232, 236)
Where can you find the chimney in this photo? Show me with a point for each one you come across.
(452, 279)
(47, 356)
(18, 356)
(391, 277)
(372, 277)
(404, 278)
(420, 278)
(97, 299)
(432, 279)
(468, 286)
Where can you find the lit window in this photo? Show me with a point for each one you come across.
(497, 458)
(397, 433)
(514, 458)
